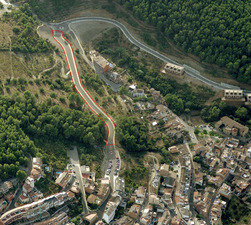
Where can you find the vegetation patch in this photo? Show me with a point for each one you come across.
(235, 212)
(133, 134)
(22, 118)
(215, 31)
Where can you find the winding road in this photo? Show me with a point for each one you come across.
(110, 151)
(189, 71)
(96, 109)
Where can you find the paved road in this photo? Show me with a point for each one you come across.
(74, 160)
(110, 151)
(194, 74)
(71, 61)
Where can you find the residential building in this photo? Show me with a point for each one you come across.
(125, 220)
(3, 205)
(9, 197)
(225, 191)
(103, 191)
(141, 192)
(154, 199)
(173, 149)
(89, 188)
(233, 94)
(27, 188)
(91, 218)
(60, 218)
(5, 187)
(64, 179)
(24, 198)
(176, 221)
(140, 93)
(164, 170)
(174, 69)
(199, 178)
(216, 180)
(115, 77)
(249, 97)
(168, 182)
(30, 181)
(100, 62)
(33, 209)
(147, 215)
(37, 161)
(134, 211)
(241, 185)
(223, 172)
(109, 212)
(93, 199)
(156, 95)
(248, 102)
(226, 122)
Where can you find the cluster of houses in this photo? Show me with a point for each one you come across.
(29, 191)
(228, 164)
(32, 206)
(162, 118)
(6, 193)
(184, 184)
(98, 193)
(29, 213)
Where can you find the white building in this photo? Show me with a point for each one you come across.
(30, 181)
(249, 152)
(109, 212)
(172, 68)
(233, 94)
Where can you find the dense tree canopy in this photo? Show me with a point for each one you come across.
(218, 109)
(22, 119)
(15, 146)
(133, 134)
(217, 31)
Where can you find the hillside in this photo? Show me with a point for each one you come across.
(33, 89)
(218, 32)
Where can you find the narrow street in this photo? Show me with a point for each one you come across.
(74, 160)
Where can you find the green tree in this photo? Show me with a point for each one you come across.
(196, 131)
(241, 112)
(21, 175)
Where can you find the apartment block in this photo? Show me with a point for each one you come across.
(233, 94)
(60, 218)
(109, 212)
(34, 209)
(174, 69)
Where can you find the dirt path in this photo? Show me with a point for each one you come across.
(11, 66)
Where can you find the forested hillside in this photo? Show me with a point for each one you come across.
(23, 120)
(216, 31)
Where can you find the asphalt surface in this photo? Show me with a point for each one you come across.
(70, 58)
(189, 72)
(74, 160)
(110, 151)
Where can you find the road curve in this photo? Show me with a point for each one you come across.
(96, 109)
(141, 46)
